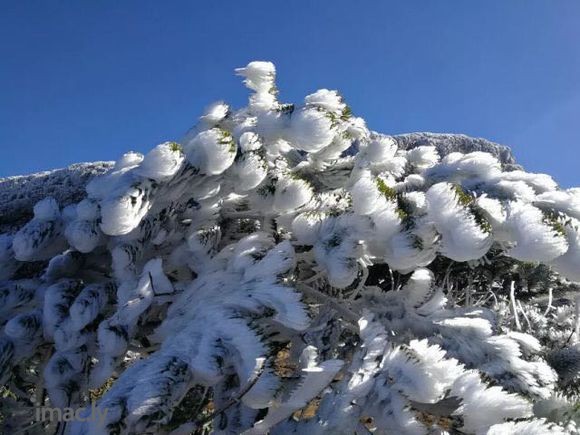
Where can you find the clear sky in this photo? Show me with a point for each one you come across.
(89, 80)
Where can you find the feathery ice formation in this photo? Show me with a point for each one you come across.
(283, 269)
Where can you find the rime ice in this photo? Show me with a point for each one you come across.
(283, 256)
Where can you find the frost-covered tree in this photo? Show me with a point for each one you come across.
(283, 269)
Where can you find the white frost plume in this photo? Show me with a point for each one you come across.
(42, 237)
(330, 101)
(380, 149)
(87, 305)
(381, 154)
(310, 130)
(495, 214)
(46, 210)
(366, 197)
(87, 210)
(259, 76)
(536, 236)
(162, 162)
(386, 221)
(211, 151)
(122, 173)
(457, 167)
(249, 141)
(417, 200)
(423, 373)
(215, 113)
(418, 288)
(249, 170)
(83, 233)
(462, 238)
(541, 183)
(482, 407)
(306, 227)
(128, 160)
(518, 190)
(413, 183)
(423, 157)
(337, 248)
(406, 251)
(315, 377)
(339, 144)
(122, 212)
(565, 201)
(291, 193)
(567, 264)
(357, 128)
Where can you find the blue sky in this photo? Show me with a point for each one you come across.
(89, 80)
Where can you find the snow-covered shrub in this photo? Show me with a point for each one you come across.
(285, 270)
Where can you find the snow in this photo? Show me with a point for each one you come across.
(162, 162)
(211, 151)
(310, 130)
(330, 101)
